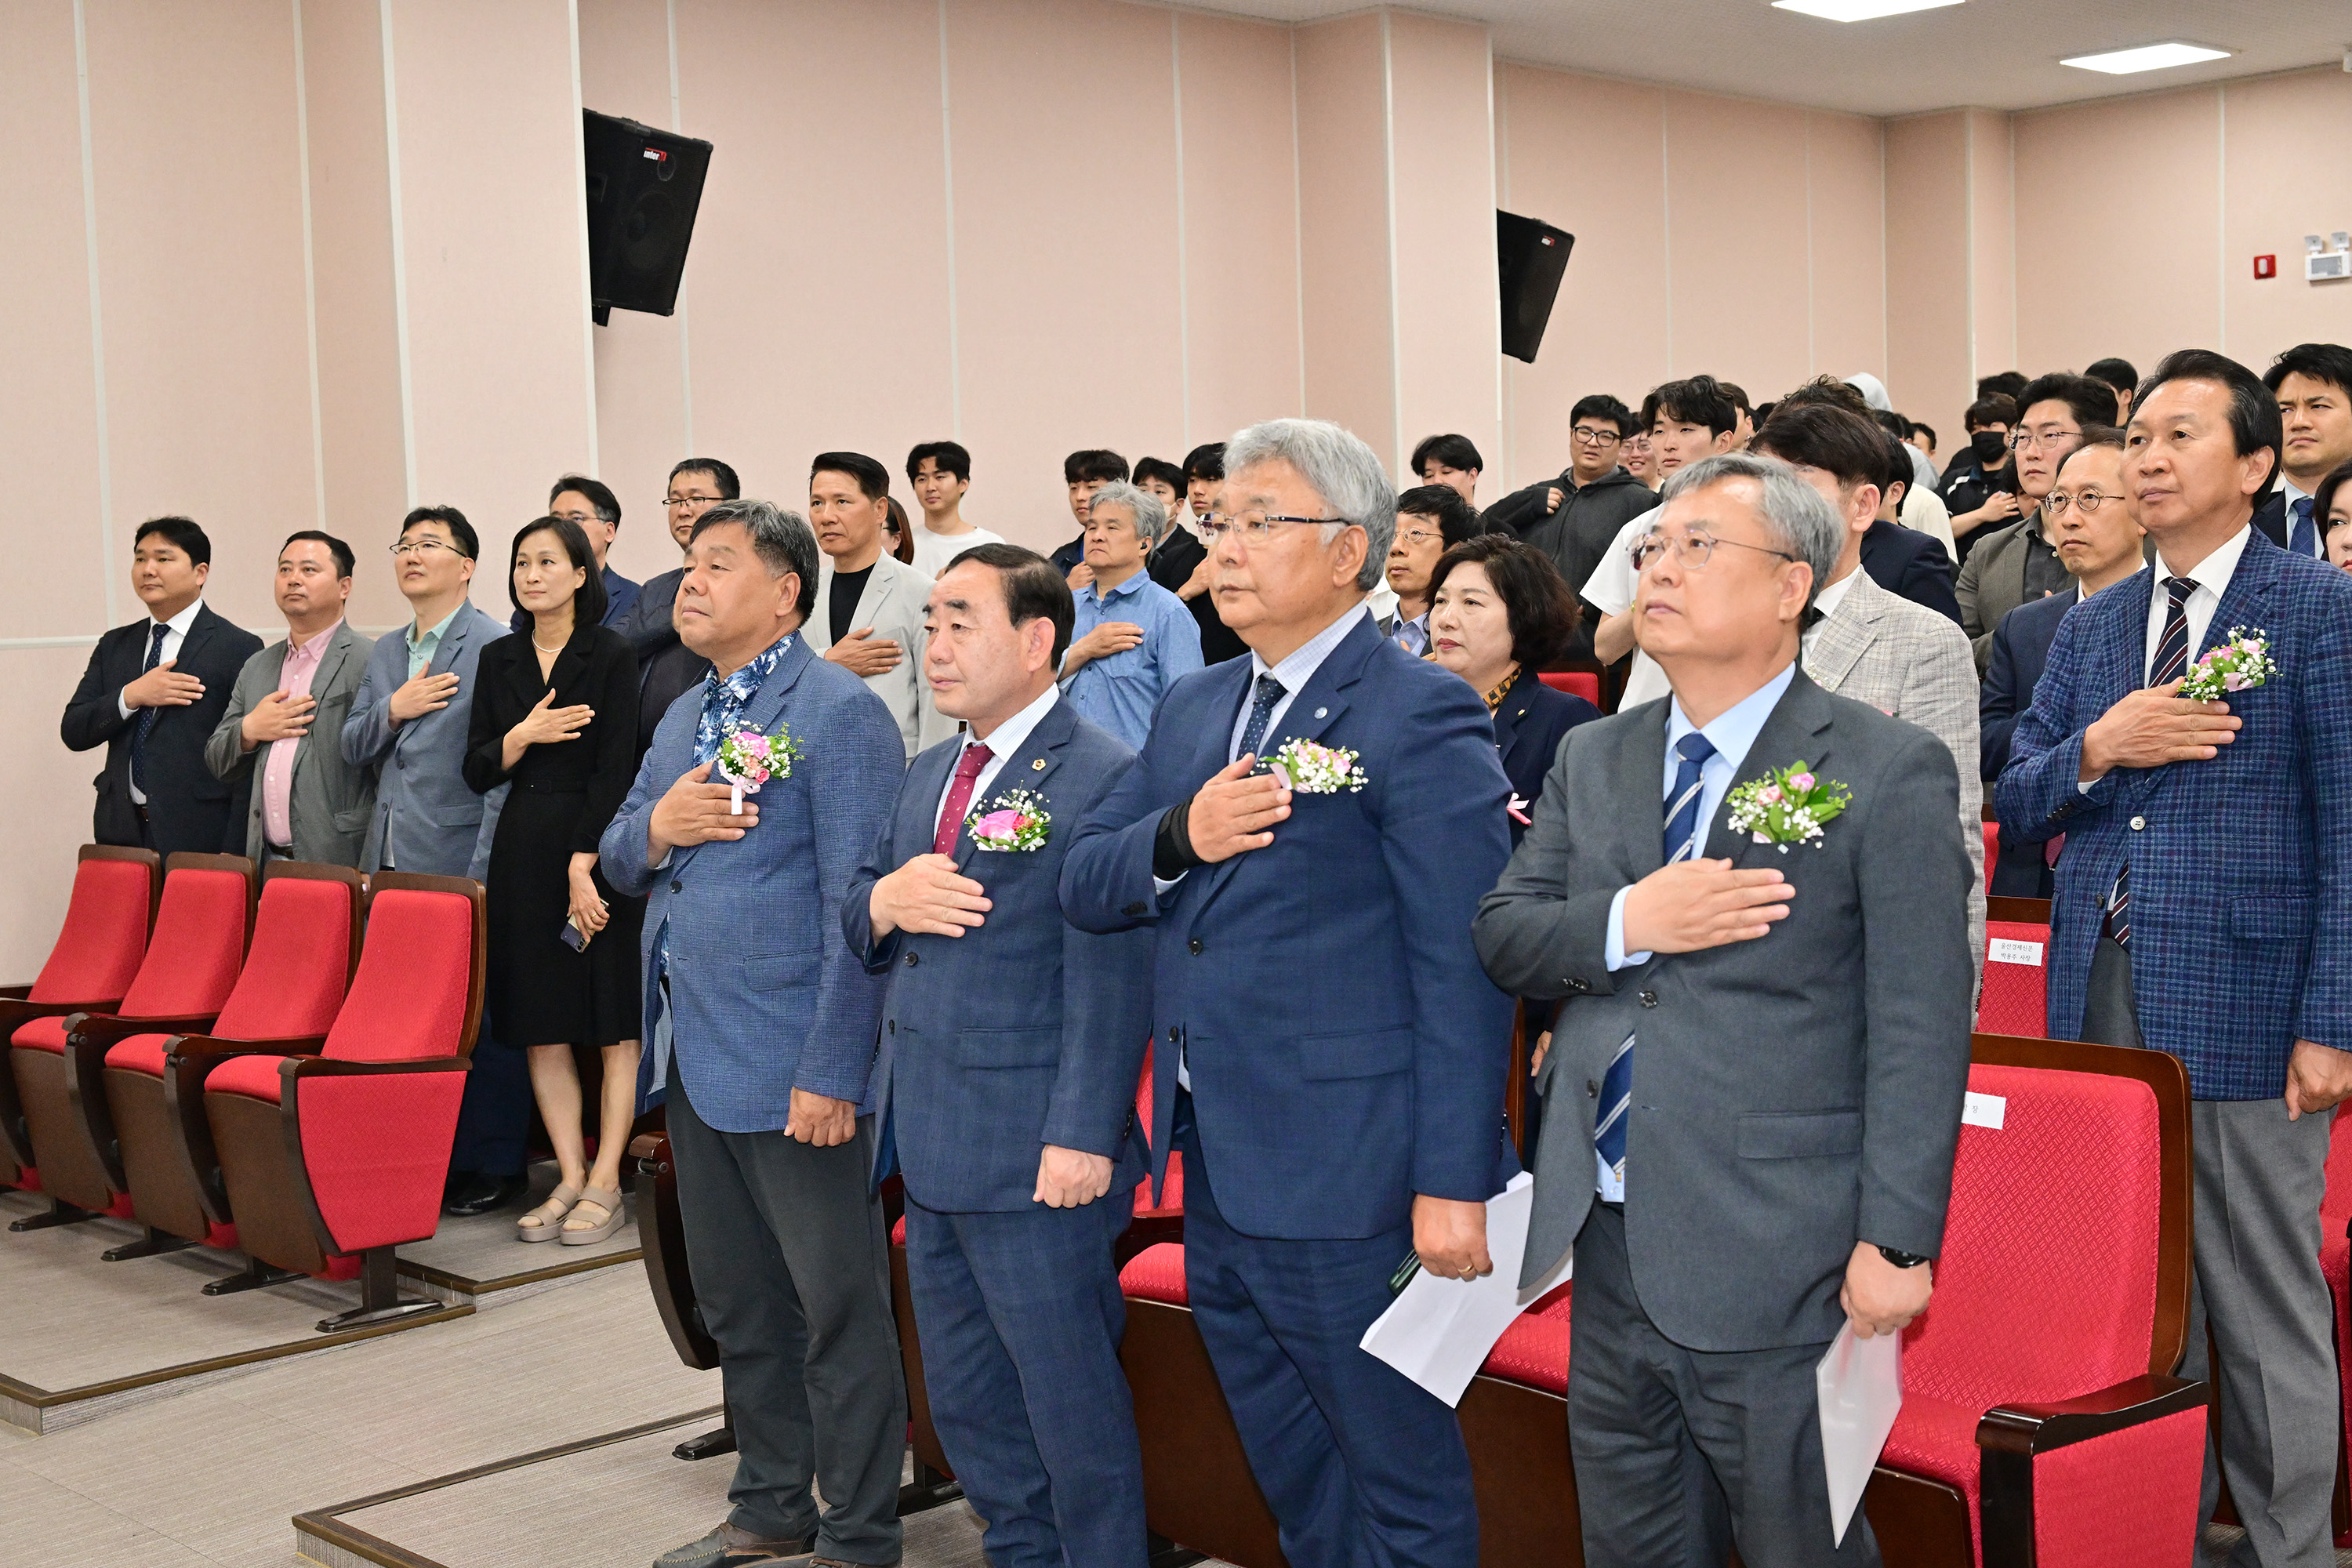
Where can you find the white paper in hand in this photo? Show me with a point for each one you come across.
(1861, 1387)
(1438, 1332)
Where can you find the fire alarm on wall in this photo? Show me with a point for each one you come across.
(2266, 266)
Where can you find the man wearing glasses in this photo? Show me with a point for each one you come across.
(1572, 517)
(2016, 564)
(667, 668)
(1431, 520)
(576, 498)
(1328, 1056)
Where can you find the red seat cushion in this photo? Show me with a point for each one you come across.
(1534, 1350)
(898, 1232)
(2016, 981)
(139, 1053)
(1576, 682)
(1937, 1440)
(42, 1034)
(254, 1076)
(1157, 1274)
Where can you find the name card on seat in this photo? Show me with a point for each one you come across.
(2009, 950)
(1984, 1110)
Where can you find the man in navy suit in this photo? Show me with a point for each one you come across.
(1011, 1043)
(761, 1022)
(2204, 905)
(1337, 1054)
(2095, 535)
(1904, 561)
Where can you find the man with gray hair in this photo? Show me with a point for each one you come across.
(760, 1026)
(1762, 1149)
(1133, 639)
(1308, 831)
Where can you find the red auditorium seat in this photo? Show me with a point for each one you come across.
(191, 963)
(1992, 849)
(2335, 1262)
(2016, 973)
(332, 1158)
(1581, 683)
(306, 945)
(95, 958)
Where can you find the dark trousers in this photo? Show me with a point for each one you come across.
(1362, 1467)
(792, 1274)
(1020, 1317)
(494, 1115)
(1671, 1443)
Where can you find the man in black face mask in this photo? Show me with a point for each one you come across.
(1980, 487)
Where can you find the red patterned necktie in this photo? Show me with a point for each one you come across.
(968, 767)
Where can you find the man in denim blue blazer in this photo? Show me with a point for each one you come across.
(2204, 905)
(760, 1022)
(1012, 1041)
(1331, 1056)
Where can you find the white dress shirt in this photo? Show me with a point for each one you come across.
(2212, 576)
(1002, 742)
(175, 632)
(1610, 590)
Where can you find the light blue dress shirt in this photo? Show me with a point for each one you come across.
(1121, 692)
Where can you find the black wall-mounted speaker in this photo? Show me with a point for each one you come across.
(644, 188)
(1531, 255)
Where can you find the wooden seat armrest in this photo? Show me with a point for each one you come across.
(2030, 1429)
(191, 1048)
(105, 1029)
(330, 1066)
(650, 1150)
(18, 1010)
(15, 993)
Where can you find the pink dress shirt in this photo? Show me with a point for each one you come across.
(278, 769)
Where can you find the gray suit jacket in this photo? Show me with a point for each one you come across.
(1792, 1095)
(425, 818)
(892, 604)
(1908, 661)
(329, 799)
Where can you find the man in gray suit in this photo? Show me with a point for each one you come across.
(308, 803)
(869, 605)
(1762, 1151)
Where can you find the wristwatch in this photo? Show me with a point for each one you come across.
(1903, 1259)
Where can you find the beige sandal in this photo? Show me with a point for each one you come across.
(585, 1234)
(545, 1223)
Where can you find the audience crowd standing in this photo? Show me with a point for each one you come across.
(1261, 771)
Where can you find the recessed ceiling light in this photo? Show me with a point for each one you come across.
(1857, 10)
(2147, 58)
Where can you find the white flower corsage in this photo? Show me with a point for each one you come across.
(1305, 768)
(2241, 664)
(1017, 819)
(746, 759)
(1786, 807)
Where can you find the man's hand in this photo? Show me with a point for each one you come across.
(2154, 726)
(1552, 497)
(276, 717)
(1999, 507)
(2318, 1077)
(1080, 575)
(1543, 1050)
(862, 654)
(423, 694)
(1110, 638)
(1693, 905)
(927, 894)
(821, 1119)
(1880, 1299)
(1450, 1233)
(1197, 583)
(695, 811)
(163, 687)
(1613, 638)
(1070, 1178)
(1232, 812)
(546, 723)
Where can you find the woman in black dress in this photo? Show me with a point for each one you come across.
(555, 715)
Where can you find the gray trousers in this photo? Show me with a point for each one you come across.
(2257, 1287)
(792, 1272)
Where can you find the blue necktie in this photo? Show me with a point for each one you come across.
(147, 716)
(1682, 841)
(2301, 540)
(1268, 692)
(2171, 658)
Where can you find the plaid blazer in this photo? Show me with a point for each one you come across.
(1911, 663)
(2241, 865)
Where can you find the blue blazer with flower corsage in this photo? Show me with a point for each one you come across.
(1026, 1030)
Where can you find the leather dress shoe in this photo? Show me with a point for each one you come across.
(730, 1546)
(476, 1194)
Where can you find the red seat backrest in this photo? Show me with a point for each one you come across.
(193, 959)
(298, 965)
(2335, 1203)
(2016, 980)
(1577, 682)
(96, 953)
(407, 1003)
(2046, 1287)
(1992, 849)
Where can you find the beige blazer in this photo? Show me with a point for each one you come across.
(893, 605)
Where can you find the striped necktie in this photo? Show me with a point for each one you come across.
(2171, 658)
(148, 715)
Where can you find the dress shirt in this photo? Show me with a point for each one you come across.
(1412, 636)
(175, 632)
(294, 679)
(1002, 742)
(1825, 605)
(2212, 576)
(423, 647)
(1121, 692)
(1294, 672)
(1610, 590)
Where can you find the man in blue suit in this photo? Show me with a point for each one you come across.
(1333, 1056)
(760, 1022)
(2204, 904)
(1011, 1041)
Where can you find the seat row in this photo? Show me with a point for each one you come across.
(269, 1064)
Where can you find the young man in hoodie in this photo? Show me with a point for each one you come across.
(1572, 517)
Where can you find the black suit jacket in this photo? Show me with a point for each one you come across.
(1528, 727)
(1913, 564)
(187, 807)
(667, 668)
(2019, 651)
(1172, 567)
(2271, 516)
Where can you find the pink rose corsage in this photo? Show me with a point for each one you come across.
(746, 759)
(1017, 819)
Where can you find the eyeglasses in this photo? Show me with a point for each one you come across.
(424, 548)
(2056, 502)
(1254, 528)
(691, 501)
(1691, 550)
(2021, 439)
(1637, 443)
(1417, 537)
(1595, 437)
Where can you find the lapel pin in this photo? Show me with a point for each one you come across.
(1038, 767)
(1322, 712)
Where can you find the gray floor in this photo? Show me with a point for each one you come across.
(485, 1248)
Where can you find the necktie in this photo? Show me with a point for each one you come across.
(147, 716)
(1682, 840)
(967, 774)
(2301, 540)
(1269, 691)
(2171, 658)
